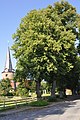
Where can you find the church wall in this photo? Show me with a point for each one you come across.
(9, 75)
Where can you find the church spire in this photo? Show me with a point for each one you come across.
(8, 70)
(8, 63)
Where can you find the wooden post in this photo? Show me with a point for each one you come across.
(15, 102)
(4, 104)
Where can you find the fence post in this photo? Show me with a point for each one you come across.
(15, 103)
(4, 103)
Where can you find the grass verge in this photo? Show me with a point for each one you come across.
(39, 103)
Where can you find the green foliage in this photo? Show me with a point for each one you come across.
(33, 86)
(44, 42)
(22, 90)
(78, 47)
(5, 88)
(73, 76)
(39, 103)
(52, 99)
(45, 86)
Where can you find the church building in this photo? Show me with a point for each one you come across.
(8, 70)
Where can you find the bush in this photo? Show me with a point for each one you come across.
(52, 99)
(22, 91)
(65, 96)
(57, 96)
(39, 103)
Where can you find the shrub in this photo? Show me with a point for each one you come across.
(65, 96)
(39, 103)
(57, 96)
(52, 99)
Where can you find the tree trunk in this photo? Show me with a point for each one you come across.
(61, 94)
(38, 92)
(14, 86)
(53, 88)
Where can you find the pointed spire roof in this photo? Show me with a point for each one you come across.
(8, 63)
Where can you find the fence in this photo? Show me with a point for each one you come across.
(8, 103)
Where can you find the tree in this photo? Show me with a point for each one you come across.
(73, 76)
(78, 47)
(22, 90)
(5, 88)
(67, 25)
(44, 40)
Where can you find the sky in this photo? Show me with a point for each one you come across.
(11, 13)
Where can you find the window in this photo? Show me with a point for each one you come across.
(6, 75)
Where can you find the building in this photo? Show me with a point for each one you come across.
(8, 70)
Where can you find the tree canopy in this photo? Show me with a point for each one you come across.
(45, 41)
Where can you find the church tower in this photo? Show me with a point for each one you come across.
(8, 70)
